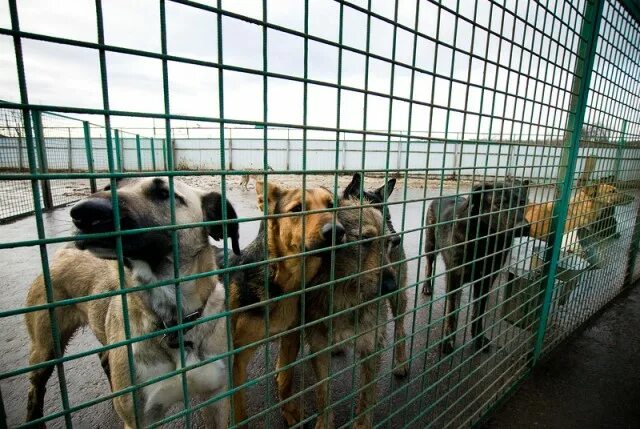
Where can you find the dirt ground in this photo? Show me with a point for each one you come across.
(453, 390)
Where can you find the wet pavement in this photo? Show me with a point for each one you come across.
(591, 381)
(455, 390)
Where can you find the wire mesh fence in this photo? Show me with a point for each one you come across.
(456, 193)
(68, 145)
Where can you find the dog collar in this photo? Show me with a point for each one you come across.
(172, 337)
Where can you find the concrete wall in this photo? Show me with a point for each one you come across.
(453, 157)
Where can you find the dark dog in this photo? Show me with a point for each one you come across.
(348, 311)
(397, 299)
(475, 235)
(607, 225)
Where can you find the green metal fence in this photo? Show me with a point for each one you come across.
(504, 92)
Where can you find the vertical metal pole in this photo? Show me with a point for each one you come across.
(164, 153)
(20, 154)
(619, 150)
(288, 148)
(153, 155)
(230, 149)
(41, 153)
(89, 153)
(633, 252)
(69, 151)
(580, 89)
(119, 153)
(138, 152)
(344, 151)
(399, 163)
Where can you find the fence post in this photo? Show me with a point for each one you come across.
(230, 149)
(153, 155)
(41, 152)
(577, 108)
(70, 150)
(138, 152)
(288, 148)
(89, 151)
(119, 153)
(164, 153)
(619, 150)
(20, 155)
(344, 150)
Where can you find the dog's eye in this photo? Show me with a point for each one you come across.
(296, 209)
(369, 241)
(161, 193)
(330, 204)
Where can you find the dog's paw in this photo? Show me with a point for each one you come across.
(291, 414)
(482, 343)
(401, 370)
(427, 288)
(446, 347)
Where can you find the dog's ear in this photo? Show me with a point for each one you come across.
(353, 189)
(212, 209)
(482, 196)
(389, 189)
(273, 193)
(592, 190)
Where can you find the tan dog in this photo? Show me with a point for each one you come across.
(285, 238)
(148, 257)
(585, 207)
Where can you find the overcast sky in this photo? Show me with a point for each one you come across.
(70, 76)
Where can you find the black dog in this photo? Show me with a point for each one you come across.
(474, 235)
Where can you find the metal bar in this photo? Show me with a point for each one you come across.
(41, 151)
(580, 91)
(153, 154)
(89, 155)
(120, 166)
(138, 152)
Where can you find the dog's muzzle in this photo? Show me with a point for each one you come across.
(93, 215)
(522, 229)
(328, 230)
(388, 282)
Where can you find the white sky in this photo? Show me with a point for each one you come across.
(70, 76)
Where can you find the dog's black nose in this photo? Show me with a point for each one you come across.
(395, 240)
(388, 282)
(92, 215)
(329, 228)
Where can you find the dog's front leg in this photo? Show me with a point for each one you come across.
(369, 367)
(320, 365)
(289, 347)
(240, 364)
(454, 285)
(398, 302)
(480, 296)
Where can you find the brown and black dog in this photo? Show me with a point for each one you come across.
(284, 239)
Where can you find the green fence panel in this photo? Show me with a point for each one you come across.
(416, 303)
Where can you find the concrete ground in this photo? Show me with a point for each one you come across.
(455, 390)
(591, 381)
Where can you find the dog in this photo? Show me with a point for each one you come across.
(365, 261)
(246, 178)
(474, 235)
(586, 207)
(606, 225)
(247, 286)
(90, 268)
(397, 256)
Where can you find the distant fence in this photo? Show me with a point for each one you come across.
(446, 157)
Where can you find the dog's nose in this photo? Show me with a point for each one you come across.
(92, 214)
(388, 282)
(395, 240)
(523, 229)
(328, 230)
